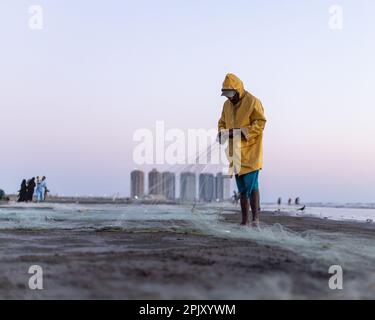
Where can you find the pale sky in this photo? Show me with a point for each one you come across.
(74, 92)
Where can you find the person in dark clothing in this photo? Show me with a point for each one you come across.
(22, 193)
(30, 189)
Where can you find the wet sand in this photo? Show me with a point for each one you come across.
(117, 264)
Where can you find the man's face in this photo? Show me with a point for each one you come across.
(235, 99)
(232, 95)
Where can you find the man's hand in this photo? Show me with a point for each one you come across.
(235, 131)
(223, 135)
(220, 137)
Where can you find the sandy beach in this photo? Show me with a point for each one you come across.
(157, 264)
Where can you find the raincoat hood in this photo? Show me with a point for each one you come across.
(232, 82)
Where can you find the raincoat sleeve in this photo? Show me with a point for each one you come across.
(222, 123)
(257, 123)
(222, 134)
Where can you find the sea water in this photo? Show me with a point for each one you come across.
(333, 211)
(99, 216)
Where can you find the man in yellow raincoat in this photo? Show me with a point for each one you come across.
(242, 123)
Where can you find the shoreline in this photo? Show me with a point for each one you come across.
(48, 204)
(97, 200)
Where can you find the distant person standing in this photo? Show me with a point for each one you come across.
(43, 187)
(243, 120)
(31, 189)
(40, 188)
(46, 191)
(279, 201)
(290, 202)
(22, 193)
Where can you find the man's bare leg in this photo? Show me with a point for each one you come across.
(244, 209)
(255, 206)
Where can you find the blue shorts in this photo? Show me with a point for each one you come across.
(247, 183)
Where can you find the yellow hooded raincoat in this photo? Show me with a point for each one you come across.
(248, 116)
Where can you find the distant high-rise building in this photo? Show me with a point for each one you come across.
(227, 193)
(169, 185)
(155, 186)
(223, 187)
(188, 189)
(206, 187)
(137, 178)
(219, 182)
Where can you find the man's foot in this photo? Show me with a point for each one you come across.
(255, 223)
(255, 207)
